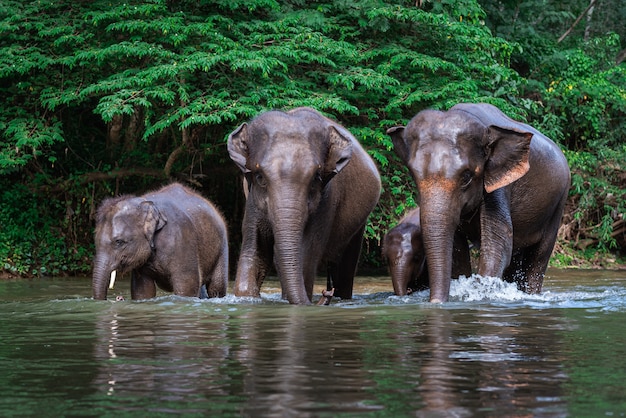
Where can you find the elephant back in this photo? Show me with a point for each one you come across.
(489, 115)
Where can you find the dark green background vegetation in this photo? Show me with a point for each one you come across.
(105, 97)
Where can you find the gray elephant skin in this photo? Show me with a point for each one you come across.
(311, 187)
(172, 238)
(403, 250)
(500, 182)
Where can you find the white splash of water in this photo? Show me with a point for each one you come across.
(479, 288)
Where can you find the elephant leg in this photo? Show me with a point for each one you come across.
(461, 260)
(187, 284)
(515, 273)
(309, 275)
(537, 261)
(496, 228)
(529, 264)
(141, 286)
(528, 267)
(217, 282)
(536, 268)
(254, 262)
(342, 273)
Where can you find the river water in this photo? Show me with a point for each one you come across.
(490, 352)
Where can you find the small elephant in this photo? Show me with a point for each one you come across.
(311, 187)
(500, 182)
(403, 249)
(173, 238)
(404, 252)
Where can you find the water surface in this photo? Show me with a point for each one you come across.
(491, 351)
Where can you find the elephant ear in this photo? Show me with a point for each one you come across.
(154, 221)
(238, 147)
(399, 144)
(508, 152)
(339, 152)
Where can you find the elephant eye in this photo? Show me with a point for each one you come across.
(119, 243)
(260, 180)
(466, 179)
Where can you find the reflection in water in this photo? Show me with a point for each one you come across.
(147, 353)
(437, 386)
(457, 361)
(112, 340)
(299, 362)
(522, 366)
(553, 355)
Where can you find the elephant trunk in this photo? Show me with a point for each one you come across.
(439, 222)
(288, 233)
(401, 275)
(103, 275)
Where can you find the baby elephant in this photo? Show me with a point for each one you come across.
(403, 248)
(173, 238)
(404, 251)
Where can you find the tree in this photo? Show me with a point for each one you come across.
(116, 97)
(575, 89)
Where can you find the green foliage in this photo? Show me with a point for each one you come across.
(586, 100)
(197, 65)
(98, 93)
(39, 237)
(576, 94)
(32, 138)
(599, 196)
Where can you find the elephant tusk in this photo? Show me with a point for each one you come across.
(112, 281)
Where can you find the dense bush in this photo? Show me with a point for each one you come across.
(575, 92)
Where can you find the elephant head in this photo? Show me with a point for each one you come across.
(455, 158)
(288, 160)
(125, 229)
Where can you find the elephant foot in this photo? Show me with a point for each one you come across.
(327, 295)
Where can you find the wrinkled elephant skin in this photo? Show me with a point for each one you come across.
(310, 188)
(404, 252)
(172, 238)
(403, 249)
(499, 181)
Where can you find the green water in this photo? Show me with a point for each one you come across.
(492, 351)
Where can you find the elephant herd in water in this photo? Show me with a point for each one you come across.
(483, 180)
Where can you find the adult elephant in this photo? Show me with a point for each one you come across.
(311, 187)
(500, 182)
(173, 238)
(403, 249)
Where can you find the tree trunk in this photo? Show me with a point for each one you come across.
(589, 15)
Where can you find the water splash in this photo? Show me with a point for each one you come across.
(479, 288)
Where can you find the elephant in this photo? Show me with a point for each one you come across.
(403, 249)
(310, 189)
(173, 238)
(404, 252)
(500, 182)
